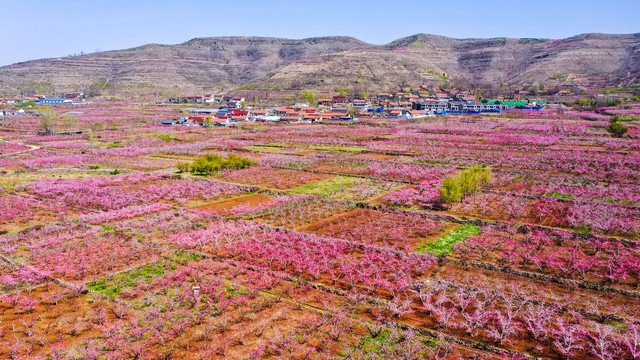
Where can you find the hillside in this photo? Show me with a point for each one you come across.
(324, 63)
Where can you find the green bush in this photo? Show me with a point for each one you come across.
(617, 129)
(166, 137)
(450, 191)
(618, 118)
(183, 167)
(213, 163)
(467, 182)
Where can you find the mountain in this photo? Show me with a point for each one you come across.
(273, 64)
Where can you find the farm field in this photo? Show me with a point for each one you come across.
(325, 241)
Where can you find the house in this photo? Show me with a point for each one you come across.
(384, 97)
(74, 95)
(359, 104)
(195, 121)
(290, 118)
(325, 102)
(404, 104)
(312, 117)
(263, 116)
(431, 105)
(234, 105)
(339, 101)
(415, 114)
(336, 115)
(54, 101)
(197, 111)
(239, 118)
(280, 111)
(229, 99)
(238, 115)
(392, 113)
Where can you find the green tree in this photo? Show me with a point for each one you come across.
(183, 167)
(450, 190)
(617, 129)
(340, 91)
(467, 182)
(308, 96)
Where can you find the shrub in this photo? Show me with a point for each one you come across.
(213, 163)
(617, 129)
(183, 167)
(166, 137)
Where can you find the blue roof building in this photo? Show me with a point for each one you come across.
(52, 101)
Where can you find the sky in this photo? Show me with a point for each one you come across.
(40, 29)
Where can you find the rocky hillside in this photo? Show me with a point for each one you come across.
(328, 62)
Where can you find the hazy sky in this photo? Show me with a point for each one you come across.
(32, 29)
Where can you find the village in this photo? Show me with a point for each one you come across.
(408, 103)
(404, 105)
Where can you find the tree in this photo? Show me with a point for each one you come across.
(48, 120)
(450, 191)
(617, 129)
(308, 96)
(467, 182)
(342, 92)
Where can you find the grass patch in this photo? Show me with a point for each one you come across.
(326, 187)
(443, 244)
(145, 274)
(347, 188)
(354, 148)
(327, 147)
(558, 195)
(275, 144)
(268, 149)
(247, 87)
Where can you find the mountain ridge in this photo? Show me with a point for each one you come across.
(321, 63)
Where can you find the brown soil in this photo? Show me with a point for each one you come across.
(393, 230)
(279, 179)
(222, 207)
(40, 217)
(34, 332)
(577, 147)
